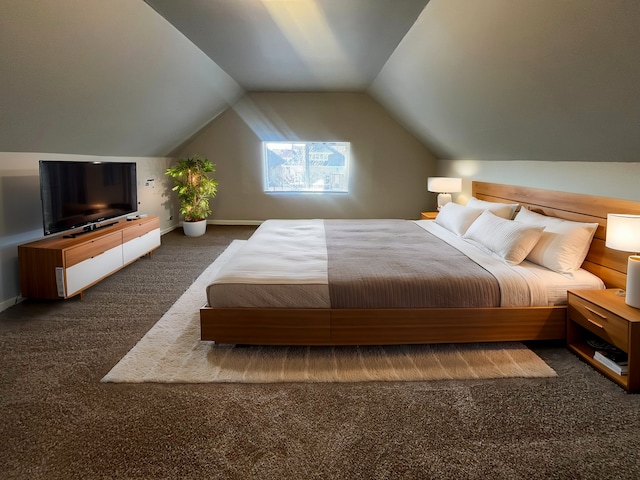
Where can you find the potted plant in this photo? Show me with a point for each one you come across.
(195, 189)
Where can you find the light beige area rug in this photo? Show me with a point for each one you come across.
(172, 352)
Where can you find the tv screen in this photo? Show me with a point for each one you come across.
(75, 194)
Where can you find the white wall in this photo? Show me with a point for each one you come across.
(20, 208)
(388, 172)
(605, 179)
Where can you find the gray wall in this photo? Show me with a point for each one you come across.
(389, 167)
(605, 179)
(21, 215)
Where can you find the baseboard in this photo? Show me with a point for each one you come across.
(170, 229)
(217, 222)
(10, 302)
(234, 222)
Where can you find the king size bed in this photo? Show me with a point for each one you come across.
(489, 271)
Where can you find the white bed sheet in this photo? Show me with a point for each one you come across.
(556, 284)
(546, 287)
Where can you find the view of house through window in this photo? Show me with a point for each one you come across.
(306, 166)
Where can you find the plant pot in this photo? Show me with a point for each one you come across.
(195, 229)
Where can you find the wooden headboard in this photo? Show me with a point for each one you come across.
(609, 265)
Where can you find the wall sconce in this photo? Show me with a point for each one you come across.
(623, 233)
(444, 186)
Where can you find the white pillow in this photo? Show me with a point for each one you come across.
(456, 218)
(564, 244)
(504, 210)
(512, 241)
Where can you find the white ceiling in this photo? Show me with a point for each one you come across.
(300, 45)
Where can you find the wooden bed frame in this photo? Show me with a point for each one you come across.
(279, 326)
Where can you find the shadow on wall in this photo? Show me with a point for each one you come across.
(21, 209)
(20, 221)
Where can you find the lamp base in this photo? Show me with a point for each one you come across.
(632, 297)
(443, 199)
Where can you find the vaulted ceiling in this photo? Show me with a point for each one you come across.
(485, 79)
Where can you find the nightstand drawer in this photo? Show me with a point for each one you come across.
(600, 322)
(603, 314)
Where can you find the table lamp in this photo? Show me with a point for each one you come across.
(444, 186)
(623, 233)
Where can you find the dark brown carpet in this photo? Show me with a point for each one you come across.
(59, 422)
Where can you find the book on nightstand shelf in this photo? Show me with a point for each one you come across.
(613, 359)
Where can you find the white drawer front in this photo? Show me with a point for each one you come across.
(136, 248)
(84, 273)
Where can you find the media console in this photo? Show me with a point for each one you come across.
(62, 266)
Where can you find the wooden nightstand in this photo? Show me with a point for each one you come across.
(428, 215)
(604, 313)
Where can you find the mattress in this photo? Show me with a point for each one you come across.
(314, 264)
(550, 287)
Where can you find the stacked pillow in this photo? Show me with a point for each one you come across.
(503, 210)
(564, 244)
(511, 241)
(557, 244)
(457, 218)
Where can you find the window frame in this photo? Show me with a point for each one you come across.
(309, 169)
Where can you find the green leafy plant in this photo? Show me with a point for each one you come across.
(194, 186)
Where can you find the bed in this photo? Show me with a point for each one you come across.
(482, 302)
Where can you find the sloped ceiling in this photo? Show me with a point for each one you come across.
(102, 78)
(520, 80)
(485, 80)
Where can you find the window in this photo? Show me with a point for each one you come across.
(306, 166)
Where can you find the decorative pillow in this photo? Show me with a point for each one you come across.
(456, 218)
(504, 210)
(512, 241)
(564, 244)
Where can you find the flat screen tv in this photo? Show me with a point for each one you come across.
(75, 194)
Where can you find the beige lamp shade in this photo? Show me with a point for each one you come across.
(445, 186)
(623, 233)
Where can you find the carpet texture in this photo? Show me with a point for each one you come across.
(172, 352)
(60, 422)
